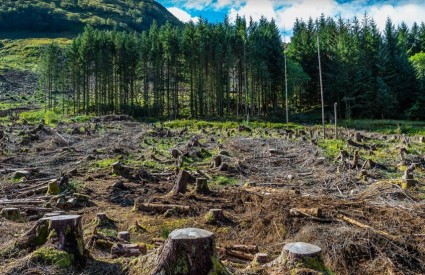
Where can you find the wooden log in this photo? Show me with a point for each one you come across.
(181, 183)
(239, 254)
(364, 226)
(11, 213)
(128, 250)
(252, 249)
(191, 250)
(261, 258)
(306, 212)
(161, 208)
(202, 186)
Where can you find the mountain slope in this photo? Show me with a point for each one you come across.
(73, 15)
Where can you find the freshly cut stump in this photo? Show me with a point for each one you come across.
(295, 254)
(12, 214)
(189, 251)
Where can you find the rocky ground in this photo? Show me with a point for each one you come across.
(274, 186)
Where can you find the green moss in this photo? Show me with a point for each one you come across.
(53, 188)
(181, 266)
(316, 264)
(218, 267)
(52, 256)
(104, 163)
(224, 181)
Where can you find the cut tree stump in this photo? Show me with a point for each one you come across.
(181, 183)
(217, 160)
(124, 235)
(64, 232)
(11, 213)
(202, 186)
(223, 167)
(294, 254)
(189, 251)
(215, 216)
(408, 179)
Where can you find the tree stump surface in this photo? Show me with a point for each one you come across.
(11, 213)
(189, 251)
(294, 254)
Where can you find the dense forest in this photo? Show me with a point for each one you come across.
(73, 15)
(238, 70)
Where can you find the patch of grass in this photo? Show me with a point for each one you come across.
(387, 126)
(104, 163)
(331, 147)
(52, 256)
(49, 117)
(75, 185)
(223, 181)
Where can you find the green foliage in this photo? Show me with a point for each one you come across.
(52, 256)
(223, 181)
(331, 147)
(37, 116)
(387, 126)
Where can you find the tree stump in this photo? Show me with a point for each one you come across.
(223, 167)
(181, 183)
(102, 220)
(408, 179)
(202, 186)
(176, 153)
(64, 232)
(217, 160)
(189, 251)
(120, 170)
(12, 214)
(215, 216)
(124, 235)
(295, 254)
(53, 214)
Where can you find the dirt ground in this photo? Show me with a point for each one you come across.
(368, 223)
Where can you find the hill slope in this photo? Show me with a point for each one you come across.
(73, 15)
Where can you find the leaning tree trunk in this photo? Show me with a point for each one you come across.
(189, 251)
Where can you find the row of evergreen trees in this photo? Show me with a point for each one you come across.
(371, 74)
(224, 69)
(200, 70)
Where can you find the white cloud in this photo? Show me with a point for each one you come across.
(255, 9)
(197, 4)
(285, 12)
(182, 15)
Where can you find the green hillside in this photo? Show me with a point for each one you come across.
(26, 26)
(73, 15)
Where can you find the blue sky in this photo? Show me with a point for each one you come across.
(286, 11)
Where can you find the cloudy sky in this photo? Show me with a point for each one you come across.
(286, 11)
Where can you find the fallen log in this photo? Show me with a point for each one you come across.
(251, 249)
(128, 250)
(306, 212)
(239, 254)
(162, 208)
(364, 226)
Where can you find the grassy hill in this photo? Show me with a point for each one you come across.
(73, 15)
(28, 25)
